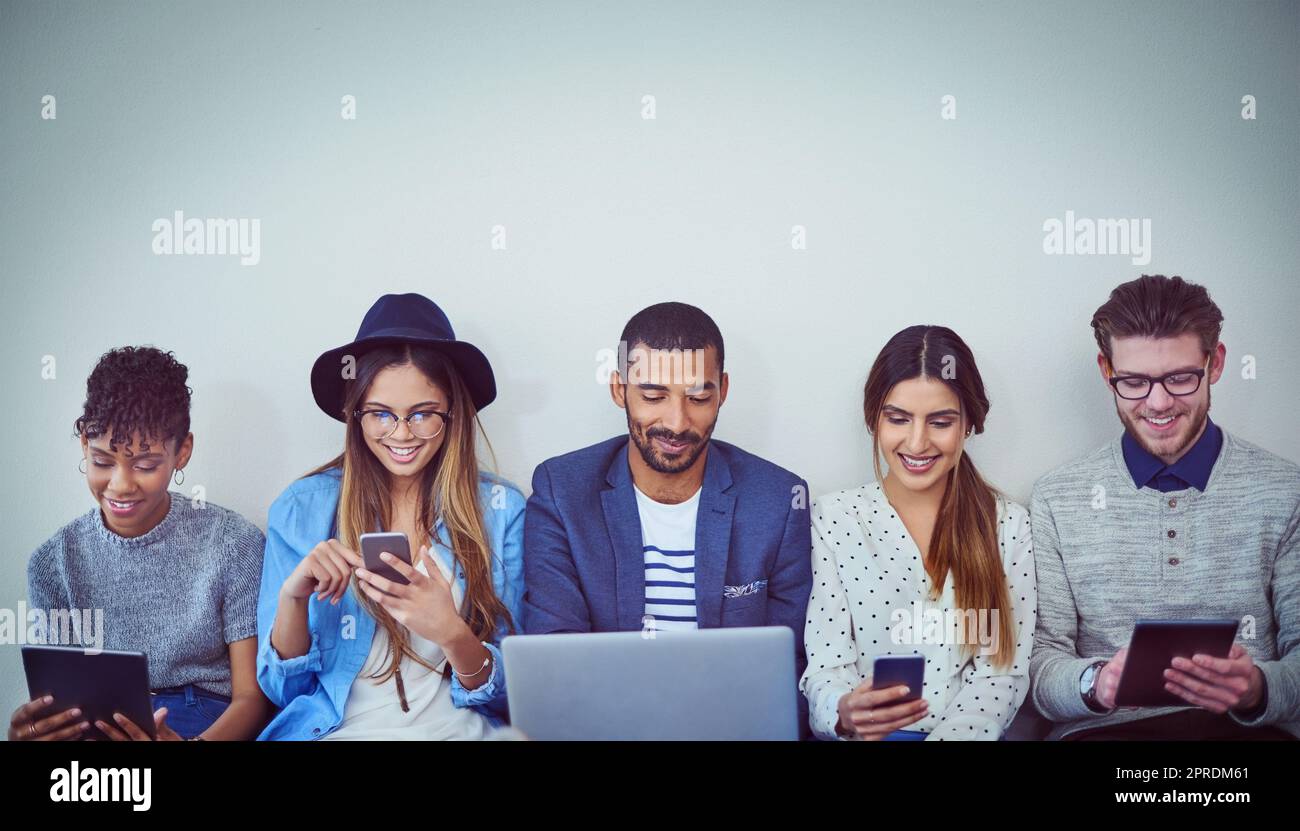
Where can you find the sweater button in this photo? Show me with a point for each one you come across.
(1173, 503)
(1173, 561)
(1172, 533)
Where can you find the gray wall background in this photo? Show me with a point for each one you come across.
(472, 115)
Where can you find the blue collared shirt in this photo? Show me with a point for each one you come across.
(312, 689)
(1191, 470)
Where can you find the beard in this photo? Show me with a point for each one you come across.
(1172, 446)
(662, 462)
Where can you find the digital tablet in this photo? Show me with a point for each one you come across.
(1152, 650)
(99, 682)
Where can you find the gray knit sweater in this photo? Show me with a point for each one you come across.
(180, 593)
(1108, 553)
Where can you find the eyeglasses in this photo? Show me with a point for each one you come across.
(380, 424)
(1137, 387)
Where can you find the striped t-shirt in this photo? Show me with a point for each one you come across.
(668, 544)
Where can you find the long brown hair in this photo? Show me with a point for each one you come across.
(448, 490)
(964, 543)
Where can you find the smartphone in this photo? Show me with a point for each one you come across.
(892, 670)
(395, 543)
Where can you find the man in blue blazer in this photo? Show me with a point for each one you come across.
(666, 527)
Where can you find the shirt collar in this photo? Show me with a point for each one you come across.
(1192, 469)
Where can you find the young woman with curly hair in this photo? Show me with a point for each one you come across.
(176, 578)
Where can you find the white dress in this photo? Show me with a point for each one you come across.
(374, 712)
(871, 597)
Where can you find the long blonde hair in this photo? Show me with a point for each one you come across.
(448, 490)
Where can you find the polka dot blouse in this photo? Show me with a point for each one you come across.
(868, 579)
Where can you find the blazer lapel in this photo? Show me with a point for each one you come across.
(713, 538)
(624, 525)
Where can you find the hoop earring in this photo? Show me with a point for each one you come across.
(81, 466)
(181, 473)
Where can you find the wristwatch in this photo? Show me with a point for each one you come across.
(1088, 687)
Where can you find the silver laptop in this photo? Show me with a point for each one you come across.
(703, 684)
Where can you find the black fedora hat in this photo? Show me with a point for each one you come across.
(402, 318)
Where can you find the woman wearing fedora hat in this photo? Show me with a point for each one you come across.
(346, 653)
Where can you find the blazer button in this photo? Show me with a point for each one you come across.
(1173, 561)
(1172, 533)
(315, 731)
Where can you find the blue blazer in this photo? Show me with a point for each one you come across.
(584, 569)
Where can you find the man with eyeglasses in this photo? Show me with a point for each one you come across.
(1176, 519)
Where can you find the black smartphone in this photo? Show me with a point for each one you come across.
(892, 670)
(395, 543)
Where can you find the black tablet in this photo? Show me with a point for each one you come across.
(1152, 650)
(100, 682)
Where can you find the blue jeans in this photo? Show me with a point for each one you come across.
(190, 710)
(906, 736)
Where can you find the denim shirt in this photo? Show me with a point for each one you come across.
(312, 689)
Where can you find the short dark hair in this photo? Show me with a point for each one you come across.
(1156, 306)
(672, 326)
(136, 389)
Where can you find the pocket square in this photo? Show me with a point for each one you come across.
(743, 590)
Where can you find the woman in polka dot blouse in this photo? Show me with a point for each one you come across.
(928, 560)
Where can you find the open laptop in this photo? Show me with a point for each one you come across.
(703, 684)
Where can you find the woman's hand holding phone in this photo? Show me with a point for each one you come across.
(425, 606)
(873, 714)
(325, 572)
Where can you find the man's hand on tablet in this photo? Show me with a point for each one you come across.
(1217, 684)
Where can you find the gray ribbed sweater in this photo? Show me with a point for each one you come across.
(1108, 553)
(180, 593)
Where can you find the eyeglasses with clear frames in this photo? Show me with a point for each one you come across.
(380, 424)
